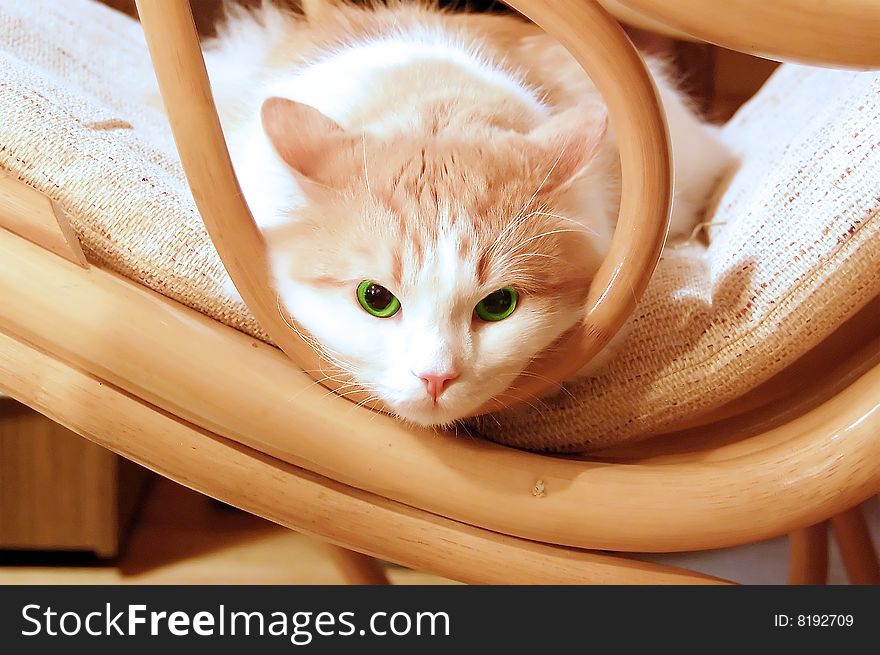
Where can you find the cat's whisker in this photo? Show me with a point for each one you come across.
(324, 378)
(323, 372)
(519, 218)
(503, 242)
(345, 394)
(366, 400)
(568, 220)
(492, 416)
(311, 341)
(374, 414)
(540, 411)
(514, 223)
(332, 358)
(296, 395)
(544, 234)
(327, 376)
(544, 212)
(323, 351)
(538, 255)
(467, 431)
(349, 382)
(459, 430)
(340, 367)
(557, 385)
(343, 384)
(529, 402)
(543, 182)
(366, 170)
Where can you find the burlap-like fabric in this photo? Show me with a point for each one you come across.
(71, 126)
(798, 252)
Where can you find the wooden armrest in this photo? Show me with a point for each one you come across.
(842, 33)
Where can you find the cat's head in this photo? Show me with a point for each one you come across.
(432, 268)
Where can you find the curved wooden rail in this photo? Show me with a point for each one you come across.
(630, 17)
(840, 33)
(298, 499)
(183, 81)
(218, 379)
(634, 109)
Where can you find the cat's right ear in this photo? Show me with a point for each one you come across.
(302, 135)
(570, 141)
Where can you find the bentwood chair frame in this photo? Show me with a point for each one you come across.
(239, 420)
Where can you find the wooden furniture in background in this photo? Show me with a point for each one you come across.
(182, 537)
(808, 555)
(59, 491)
(206, 13)
(854, 540)
(736, 78)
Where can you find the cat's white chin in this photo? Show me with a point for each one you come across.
(427, 414)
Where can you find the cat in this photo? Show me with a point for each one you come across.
(436, 190)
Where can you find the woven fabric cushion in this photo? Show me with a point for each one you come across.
(71, 126)
(798, 252)
(795, 252)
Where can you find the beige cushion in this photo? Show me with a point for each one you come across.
(69, 128)
(798, 254)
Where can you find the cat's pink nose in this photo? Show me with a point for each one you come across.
(437, 383)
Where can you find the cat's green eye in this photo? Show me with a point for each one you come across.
(498, 305)
(377, 300)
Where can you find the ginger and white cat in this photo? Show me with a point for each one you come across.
(436, 190)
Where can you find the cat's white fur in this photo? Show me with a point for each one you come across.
(432, 336)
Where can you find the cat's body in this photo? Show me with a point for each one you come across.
(448, 158)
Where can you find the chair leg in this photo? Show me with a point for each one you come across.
(856, 547)
(808, 555)
(358, 569)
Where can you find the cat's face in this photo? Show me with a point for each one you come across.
(431, 271)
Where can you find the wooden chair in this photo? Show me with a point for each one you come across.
(240, 421)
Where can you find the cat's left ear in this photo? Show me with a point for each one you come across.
(301, 135)
(570, 140)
